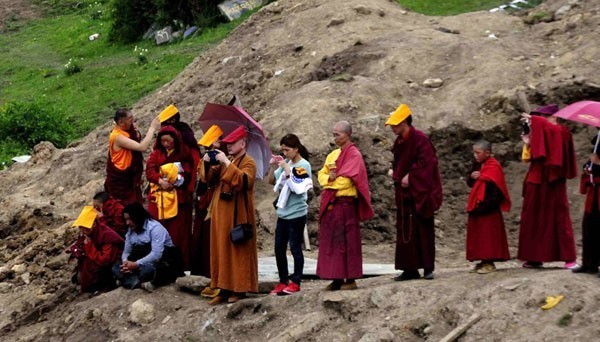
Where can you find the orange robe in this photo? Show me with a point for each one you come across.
(234, 267)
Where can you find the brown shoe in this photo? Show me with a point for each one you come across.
(476, 268)
(334, 285)
(350, 285)
(236, 297)
(209, 292)
(217, 300)
(486, 268)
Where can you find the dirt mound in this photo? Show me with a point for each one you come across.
(299, 67)
(13, 11)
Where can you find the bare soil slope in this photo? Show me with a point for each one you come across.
(299, 67)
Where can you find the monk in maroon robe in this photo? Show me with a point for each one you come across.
(110, 212)
(590, 187)
(486, 236)
(101, 247)
(171, 150)
(546, 231)
(125, 164)
(418, 191)
(345, 201)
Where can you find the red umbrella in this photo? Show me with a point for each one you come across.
(230, 118)
(586, 112)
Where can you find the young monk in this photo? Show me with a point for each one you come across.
(110, 212)
(486, 236)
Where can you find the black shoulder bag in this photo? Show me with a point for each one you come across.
(243, 232)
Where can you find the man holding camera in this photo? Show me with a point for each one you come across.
(546, 231)
(234, 257)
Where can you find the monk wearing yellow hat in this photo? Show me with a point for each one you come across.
(96, 250)
(208, 177)
(418, 191)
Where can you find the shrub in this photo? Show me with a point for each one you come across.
(72, 67)
(32, 122)
(131, 18)
(9, 149)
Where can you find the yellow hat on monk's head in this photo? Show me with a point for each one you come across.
(399, 115)
(168, 113)
(210, 136)
(86, 218)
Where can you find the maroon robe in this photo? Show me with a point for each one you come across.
(126, 185)
(591, 220)
(180, 226)
(340, 251)
(546, 231)
(486, 235)
(416, 205)
(112, 216)
(200, 249)
(101, 253)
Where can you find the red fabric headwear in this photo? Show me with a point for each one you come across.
(236, 135)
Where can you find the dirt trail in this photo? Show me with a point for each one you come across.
(299, 67)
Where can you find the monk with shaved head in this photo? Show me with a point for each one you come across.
(345, 201)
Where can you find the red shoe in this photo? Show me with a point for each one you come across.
(278, 289)
(292, 288)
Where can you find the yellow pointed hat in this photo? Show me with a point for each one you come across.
(210, 136)
(168, 113)
(399, 115)
(86, 218)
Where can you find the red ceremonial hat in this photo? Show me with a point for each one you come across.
(234, 136)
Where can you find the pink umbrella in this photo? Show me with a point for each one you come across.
(230, 118)
(586, 112)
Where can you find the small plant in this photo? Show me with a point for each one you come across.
(72, 67)
(565, 320)
(141, 53)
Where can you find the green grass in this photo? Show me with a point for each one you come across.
(449, 7)
(33, 58)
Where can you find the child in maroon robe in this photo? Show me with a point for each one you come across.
(110, 212)
(486, 236)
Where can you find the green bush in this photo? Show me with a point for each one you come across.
(72, 67)
(132, 18)
(32, 122)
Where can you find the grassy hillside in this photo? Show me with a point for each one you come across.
(40, 60)
(454, 7)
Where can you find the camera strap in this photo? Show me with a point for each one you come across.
(236, 194)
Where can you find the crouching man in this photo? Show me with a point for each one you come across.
(97, 248)
(149, 259)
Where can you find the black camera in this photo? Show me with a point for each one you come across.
(226, 196)
(526, 128)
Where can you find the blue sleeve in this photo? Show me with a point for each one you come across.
(277, 173)
(306, 165)
(127, 248)
(158, 235)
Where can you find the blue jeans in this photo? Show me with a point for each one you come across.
(289, 230)
(133, 280)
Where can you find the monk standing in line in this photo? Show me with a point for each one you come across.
(546, 231)
(590, 236)
(345, 201)
(125, 164)
(233, 266)
(486, 236)
(418, 196)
